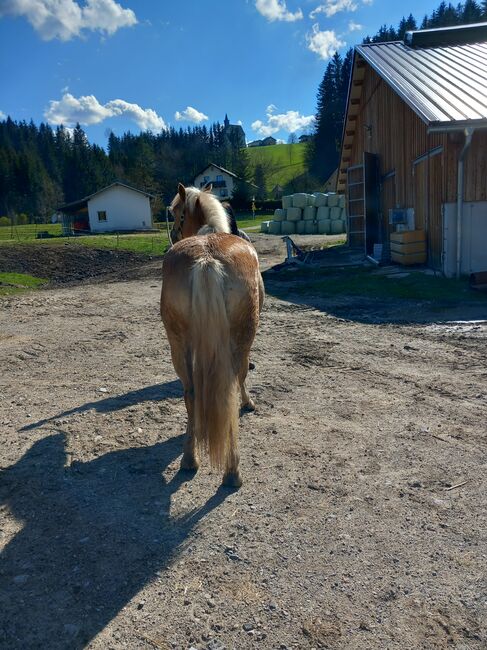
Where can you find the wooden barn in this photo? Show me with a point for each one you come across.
(414, 150)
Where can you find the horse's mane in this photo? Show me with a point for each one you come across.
(215, 214)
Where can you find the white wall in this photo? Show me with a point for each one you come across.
(474, 238)
(212, 172)
(125, 208)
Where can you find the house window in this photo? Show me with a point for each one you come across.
(206, 179)
(102, 215)
(219, 178)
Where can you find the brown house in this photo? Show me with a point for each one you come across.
(414, 149)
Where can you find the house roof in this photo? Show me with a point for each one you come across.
(80, 203)
(222, 169)
(443, 85)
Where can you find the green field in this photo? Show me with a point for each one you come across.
(29, 231)
(281, 162)
(154, 243)
(17, 282)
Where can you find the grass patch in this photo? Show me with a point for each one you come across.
(281, 162)
(145, 244)
(364, 282)
(17, 282)
(28, 232)
(246, 221)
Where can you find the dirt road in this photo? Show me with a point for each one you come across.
(352, 530)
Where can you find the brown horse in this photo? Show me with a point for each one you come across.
(212, 295)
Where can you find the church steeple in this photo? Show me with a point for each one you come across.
(226, 121)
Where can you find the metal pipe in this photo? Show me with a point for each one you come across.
(468, 140)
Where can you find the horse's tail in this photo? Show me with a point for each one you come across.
(214, 378)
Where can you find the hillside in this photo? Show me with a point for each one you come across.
(281, 162)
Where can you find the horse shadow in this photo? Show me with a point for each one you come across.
(154, 393)
(94, 533)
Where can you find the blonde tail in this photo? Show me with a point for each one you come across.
(214, 379)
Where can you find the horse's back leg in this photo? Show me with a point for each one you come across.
(181, 358)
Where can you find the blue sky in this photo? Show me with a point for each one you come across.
(138, 64)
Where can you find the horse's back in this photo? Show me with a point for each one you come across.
(236, 259)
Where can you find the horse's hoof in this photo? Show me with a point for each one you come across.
(232, 480)
(248, 408)
(251, 365)
(189, 463)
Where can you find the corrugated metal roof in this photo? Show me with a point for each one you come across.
(443, 85)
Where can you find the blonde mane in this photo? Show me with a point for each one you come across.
(215, 214)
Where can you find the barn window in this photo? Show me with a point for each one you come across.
(102, 215)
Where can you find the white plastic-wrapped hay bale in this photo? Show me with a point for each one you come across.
(337, 227)
(293, 214)
(341, 200)
(287, 201)
(275, 227)
(321, 199)
(300, 200)
(332, 200)
(335, 213)
(279, 214)
(344, 213)
(309, 212)
(264, 226)
(311, 199)
(323, 212)
(324, 226)
(288, 227)
(311, 227)
(300, 227)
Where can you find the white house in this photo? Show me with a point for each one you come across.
(223, 181)
(114, 208)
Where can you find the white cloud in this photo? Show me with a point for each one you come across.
(291, 121)
(2, 116)
(271, 108)
(354, 27)
(325, 44)
(190, 114)
(277, 10)
(332, 7)
(88, 110)
(65, 19)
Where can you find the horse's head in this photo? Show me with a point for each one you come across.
(187, 212)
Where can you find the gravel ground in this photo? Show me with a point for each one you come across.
(352, 529)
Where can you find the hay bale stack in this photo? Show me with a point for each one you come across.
(275, 227)
(300, 227)
(300, 200)
(264, 226)
(337, 227)
(333, 200)
(311, 200)
(279, 214)
(321, 199)
(311, 227)
(324, 226)
(323, 213)
(309, 213)
(288, 227)
(293, 214)
(341, 200)
(287, 201)
(335, 213)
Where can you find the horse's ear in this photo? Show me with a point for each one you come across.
(208, 187)
(182, 191)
